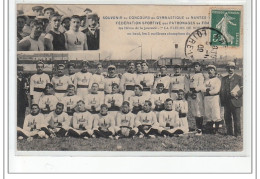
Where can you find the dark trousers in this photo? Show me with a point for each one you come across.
(232, 113)
(101, 133)
(151, 131)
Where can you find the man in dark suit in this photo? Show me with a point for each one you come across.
(231, 98)
(92, 31)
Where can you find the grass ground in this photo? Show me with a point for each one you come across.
(189, 142)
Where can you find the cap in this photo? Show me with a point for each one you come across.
(71, 64)
(61, 65)
(163, 66)
(177, 66)
(212, 66)
(87, 10)
(231, 64)
(111, 66)
(48, 8)
(41, 18)
(39, 62)
(21, 14)
(34, 8)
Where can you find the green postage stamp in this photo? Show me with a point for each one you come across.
(228, 23)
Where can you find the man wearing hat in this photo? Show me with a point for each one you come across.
(60, 82)
(38, 83)
(177, 82)
(163, 78)
(30, 16)
(92, 32)
(71, 69)
(65, 24)
(111, 78)
(196, 97)
(211, 89)
(231, 98)
(37, 10)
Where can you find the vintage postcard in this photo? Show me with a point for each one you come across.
(130, 78)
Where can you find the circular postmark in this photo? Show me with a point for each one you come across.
(203, 43)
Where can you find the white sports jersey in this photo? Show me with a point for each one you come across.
(108, 83)
(178, 82)
(144, 118)
(33, 122)
(148, 78)
(196, 80)
(38, 81)
(36, 45)
(161, 98)
(61, 83)
(138, 100)
(169, 118)
(75, 40)
(49, 100)
(99, 79)
(72, 77)
(70, 102)
(180, 105)
(164, 79)
(82, 79)
(128, 79)
(53, 119)
(214, 84)
(84, 118)
(105, 122)
(118, 98)
(123, 119)
(94, 100)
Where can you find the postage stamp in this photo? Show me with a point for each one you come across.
(228, 23)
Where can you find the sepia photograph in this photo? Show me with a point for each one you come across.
(167, 78)
(57, 28)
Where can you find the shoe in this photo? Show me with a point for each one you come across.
(199, 132)
(66, 134)
(180, 135)
(117, 137)
(93, 136)
(86, 138)
(141, 136)
(152, 136)
(164, 136)
(52, 136)
(214, 125)
(20, 138)
(29, 139)
(111, 137)
(46, 136)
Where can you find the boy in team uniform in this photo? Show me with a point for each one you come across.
(137, 101)
(128, 80)
(125, 121)
(75, 39)
(65, 24)
(196, 97)
(93, 100)
(159, 98)
(211, 89)
(70, 101)
(32, 125)
(38, 83)
(114, 100)
(37, 10)
(178, 81)
(99, 78)
(48, 101)
(60, 82)
(164, 79)
(147, 80)
(146, 121)
(169, 122)
(54, 39)
(58, 122)
(82, 122)
(110, 79)
(71, 69)
(81, 80)
(181, 106)
(104, 125)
